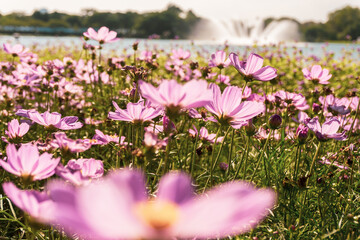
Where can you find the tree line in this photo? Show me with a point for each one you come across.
(343, 24)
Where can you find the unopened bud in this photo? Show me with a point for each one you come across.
(275, 121)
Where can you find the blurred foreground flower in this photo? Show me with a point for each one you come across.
(118, 208)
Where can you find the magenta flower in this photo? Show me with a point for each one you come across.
(135, 113)
(327, 130)
(219, 60)
(16, 130)
(50, 120)
(317, 74)
(97, 210)
(81, 171)
(102, 36)
(228, 107)
(28, 164)
(17, 50)
(252, 68)
(37, 204)
(175, 97)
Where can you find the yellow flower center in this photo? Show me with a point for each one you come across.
(157, 214)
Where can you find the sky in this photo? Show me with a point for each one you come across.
(302, 10)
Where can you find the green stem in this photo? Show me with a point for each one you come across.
(230, 153)
(261, 156)
(246, 153)
(193, 154)
(214, 162)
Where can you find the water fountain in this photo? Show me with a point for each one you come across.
(245, 33)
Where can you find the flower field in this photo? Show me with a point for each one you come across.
(257, 144)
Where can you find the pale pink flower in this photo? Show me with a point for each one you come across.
(102, 36)
(102, 139)
(252, 67)
(28, 164)
(317, 74)
(81, 171)
(16, 130)
(204, 135)
(228, 107)
(134, 113)
(17, 50)
(67, 144)
(327, 130)
(96, 211)
(175, 97)
(180, 54)
(53, 119)
(219, 60)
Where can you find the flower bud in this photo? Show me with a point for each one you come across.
(223, 166)
(250, 128)
(316, 108)
(275, 121)
(302, 132)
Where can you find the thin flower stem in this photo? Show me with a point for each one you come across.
(242, 158)
(297, 163)
(214, 162)
(261, 156)
(166, 160)
(230, 153)
(193, 154)
(314, 159)
(307, 181)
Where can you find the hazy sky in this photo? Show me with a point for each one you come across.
(303, 10)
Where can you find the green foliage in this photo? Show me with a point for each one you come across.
(343, 24)
(168, 23)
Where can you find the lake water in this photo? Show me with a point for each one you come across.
(205, 47)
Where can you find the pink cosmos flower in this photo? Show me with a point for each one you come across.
(327, 130)
(151, 140)
(102, 36)
(219, 60)
(180, 54)
(328, 160)
(96, 211)
(223, 79)
(134, 113)
(204, 135)
(67, 144)
(17, 50)
(252, 67)
(16, 130)
(37, 204)
(49, 120)
(102, 139)
(228, 107)
(175, 97)
(317, 74)
(81, 171)
(28, 164)
(295, 99)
